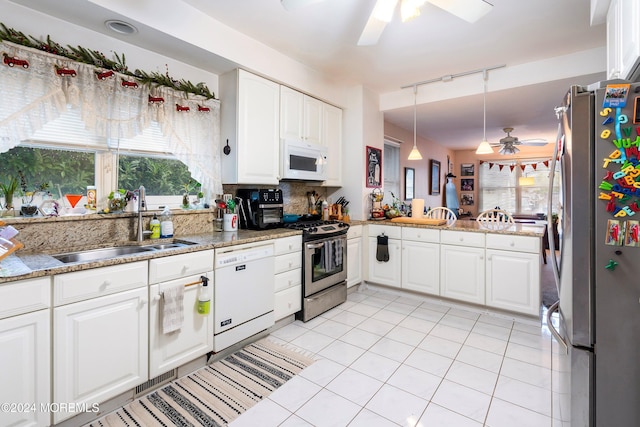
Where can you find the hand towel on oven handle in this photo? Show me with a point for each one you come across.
(382, 250)
(172, 308)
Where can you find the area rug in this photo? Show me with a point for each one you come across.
(216, 394)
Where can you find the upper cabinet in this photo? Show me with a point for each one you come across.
(250, 122)
(623, 39)
(300, 116)
(332, 138)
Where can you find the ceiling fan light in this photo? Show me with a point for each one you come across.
(508, 149)
(384, 9)
(484, 148)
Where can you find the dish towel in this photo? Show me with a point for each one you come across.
(382, 250)
(338, 253)
(172, 309)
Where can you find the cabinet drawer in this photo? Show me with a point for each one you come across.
(177, 266)
(288, 262)
(287, 302)
(25, 296)
(354, 231)
(288, 279)
(462, 238)
(421, 234)
(82, 285)
(513, 243)
(391, 231)
(287, 245)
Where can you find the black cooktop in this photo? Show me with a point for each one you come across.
(317, 229)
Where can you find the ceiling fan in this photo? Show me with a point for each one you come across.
(382, 13)
(508, 144)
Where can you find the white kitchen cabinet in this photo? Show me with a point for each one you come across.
(300, 116)
(513, 273)
(195, 338)
(421, 260)
(354, 255)
(623, 39)
(385, 272)
(332, 139)
(100, 333)
(250, 122)
(288, 276)
(100, 348)
(25, 351)
(462, 266)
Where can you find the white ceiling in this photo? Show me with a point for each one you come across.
(324, 35)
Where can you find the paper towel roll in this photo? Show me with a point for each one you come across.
(417, 208)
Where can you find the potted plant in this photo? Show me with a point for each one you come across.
(29, 208)
(8, 191)
(118, 200)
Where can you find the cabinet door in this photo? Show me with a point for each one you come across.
(291, 117)
(287, 302)
(25, 375)
(421, 267)
(385, 273)
(258, 130)
(513, 281)
(332, 138)
(195, 338)
(354, 261)
(462, 273)
(100, 348)
(629, 33)
(312, 120)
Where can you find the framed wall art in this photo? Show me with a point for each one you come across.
(467, 169)
(435, 177)
(374, 167)
(466, 184)
(466, 199)
(409, 183)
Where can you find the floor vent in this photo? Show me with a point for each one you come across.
(162, 379)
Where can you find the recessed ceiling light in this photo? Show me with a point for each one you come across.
(120, 27)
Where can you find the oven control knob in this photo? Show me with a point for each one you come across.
(313, 229)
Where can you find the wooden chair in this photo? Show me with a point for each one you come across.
(443, 213)
(495, 218)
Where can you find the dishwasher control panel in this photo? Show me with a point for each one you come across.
(242, 256)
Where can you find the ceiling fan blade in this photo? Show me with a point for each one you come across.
(296, 4)
(534, 142)
(469, 10)
(380, 15)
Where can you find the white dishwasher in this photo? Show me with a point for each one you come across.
(243, 295)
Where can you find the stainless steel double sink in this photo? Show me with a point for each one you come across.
(116, 251)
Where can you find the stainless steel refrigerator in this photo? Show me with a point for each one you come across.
(596, 363)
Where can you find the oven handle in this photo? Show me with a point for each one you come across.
(314, 246)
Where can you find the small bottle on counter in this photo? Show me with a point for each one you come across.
(325, 210)
(166, 223)
(154, 226)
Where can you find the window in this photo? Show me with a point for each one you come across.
(391, 170)
(500, 187)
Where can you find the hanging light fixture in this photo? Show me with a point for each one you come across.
(415, 154)
(484, 147)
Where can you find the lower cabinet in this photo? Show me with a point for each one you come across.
(25, 372)
(288, 276)
(462, 273)
(513, 281)
(354, 255)
(421, 267)
(195, 338)
(386, 272)
(100, 348)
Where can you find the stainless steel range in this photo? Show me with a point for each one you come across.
(324, 267)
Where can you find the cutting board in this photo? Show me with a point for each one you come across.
(422, 221)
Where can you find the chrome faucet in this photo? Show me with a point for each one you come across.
(142, 206)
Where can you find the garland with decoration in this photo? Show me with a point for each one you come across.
(512, 166)
(97, 58)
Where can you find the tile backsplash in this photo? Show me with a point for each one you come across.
(294, 194)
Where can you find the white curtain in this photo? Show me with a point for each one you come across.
(34, 96)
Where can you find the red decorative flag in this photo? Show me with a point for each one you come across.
(522, 167)
(511, 167)
(546, 163)
(490, 165)
(534, 165)
(501, 166)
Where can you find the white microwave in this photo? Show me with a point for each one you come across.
(302, 160)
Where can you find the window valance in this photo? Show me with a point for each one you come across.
(38, 87)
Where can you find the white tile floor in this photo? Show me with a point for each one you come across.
(388, 359)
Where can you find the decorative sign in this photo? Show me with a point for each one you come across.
(374, 167)
(435, 177)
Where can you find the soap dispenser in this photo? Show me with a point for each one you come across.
(154, 226)
(166, 223)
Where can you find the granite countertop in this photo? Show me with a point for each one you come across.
(28, 266)
(535, 229)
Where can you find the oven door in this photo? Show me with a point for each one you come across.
(325, 263)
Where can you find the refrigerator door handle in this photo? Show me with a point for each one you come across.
(554, 309)
(550, 231)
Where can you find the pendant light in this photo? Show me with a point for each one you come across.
(484, 147)
(415, 154)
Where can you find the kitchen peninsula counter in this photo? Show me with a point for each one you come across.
(521, 229)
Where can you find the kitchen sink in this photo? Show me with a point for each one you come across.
(116, 251)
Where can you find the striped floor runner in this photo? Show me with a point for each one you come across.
(215, 394)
